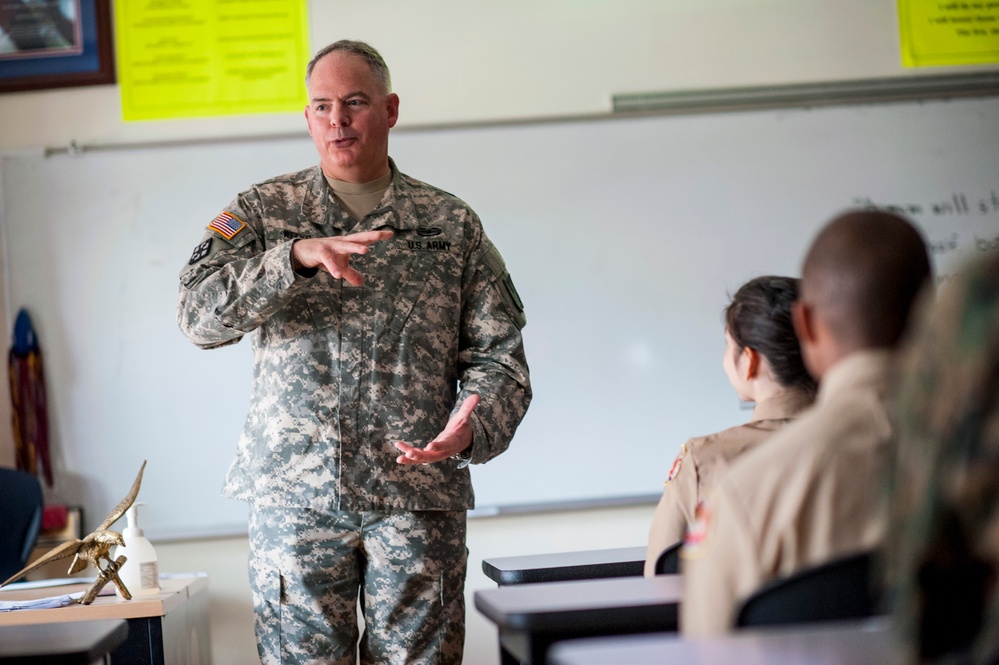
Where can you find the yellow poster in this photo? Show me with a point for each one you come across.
(194, 58)
(949, 32)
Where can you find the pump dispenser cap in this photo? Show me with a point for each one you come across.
(132, 516)
(140, 573)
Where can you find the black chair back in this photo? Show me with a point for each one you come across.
(668, 562)
(20, 519)
(838, 590)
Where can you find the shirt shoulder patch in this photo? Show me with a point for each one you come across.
(227, 225)
(677, 463)
(694, 542)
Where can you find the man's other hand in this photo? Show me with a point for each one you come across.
(455, 438)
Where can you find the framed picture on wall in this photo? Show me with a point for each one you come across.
(55, 44)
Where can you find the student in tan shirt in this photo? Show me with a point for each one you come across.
(763, 363)
(811, 492)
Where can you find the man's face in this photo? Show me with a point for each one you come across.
(349, 114)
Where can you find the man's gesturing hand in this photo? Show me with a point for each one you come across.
(333, 254)
(455, 438)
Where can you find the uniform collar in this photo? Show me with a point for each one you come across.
(396, 209)
(862, 369)
(783, 405)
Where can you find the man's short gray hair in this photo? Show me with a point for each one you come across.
(366, 51)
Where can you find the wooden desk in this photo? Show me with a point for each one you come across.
(869, 642)
(71, 643)
(169, 628)
(566, 566)
(532, 617)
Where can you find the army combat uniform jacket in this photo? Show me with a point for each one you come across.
(342, 372)
(943, 545)
(808, 494)
(703, 458)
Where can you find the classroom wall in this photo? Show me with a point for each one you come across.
(481, 61)
(520, 59)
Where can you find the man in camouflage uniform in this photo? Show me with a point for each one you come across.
(944, 553)
(373, 296)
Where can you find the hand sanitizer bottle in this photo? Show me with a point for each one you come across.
(141, 572)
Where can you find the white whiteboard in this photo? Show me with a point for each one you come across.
(624, 237)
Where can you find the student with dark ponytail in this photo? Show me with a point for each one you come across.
(763, 363)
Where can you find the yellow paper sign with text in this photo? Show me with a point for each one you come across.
(949, 32)
(196, 58)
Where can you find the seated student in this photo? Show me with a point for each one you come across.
(763, 363)
(944, 554)
(811, 492)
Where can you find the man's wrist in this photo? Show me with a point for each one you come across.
(297, 266)
(463, 458)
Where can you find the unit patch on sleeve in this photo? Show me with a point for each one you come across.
(695, 541)
(675, 469)
(227, 225)
(200, 252)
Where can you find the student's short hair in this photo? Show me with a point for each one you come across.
(361, 49)
(864, 270)
(759, 317)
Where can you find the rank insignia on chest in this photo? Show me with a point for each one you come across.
(675, 469)
(227, 225)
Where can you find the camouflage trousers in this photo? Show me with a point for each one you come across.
(309, 571)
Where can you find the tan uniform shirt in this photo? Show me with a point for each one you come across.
(809, 495)
(700, 461)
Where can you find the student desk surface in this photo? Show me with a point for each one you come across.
(566, 566)
(869, 642)
(70, 643)
(163, 629)
(532, 617)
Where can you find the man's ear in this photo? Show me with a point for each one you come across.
(392, 106)
(807, 328)
(803, 318)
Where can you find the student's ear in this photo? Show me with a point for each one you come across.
(752, 363)
(806, 327)
(803, 318)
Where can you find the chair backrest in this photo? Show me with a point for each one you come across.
(20, 519)
(838, 590)
(668, 562)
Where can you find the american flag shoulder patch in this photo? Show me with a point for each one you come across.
(227, 225)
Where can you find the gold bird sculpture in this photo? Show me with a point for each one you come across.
(93, 549)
